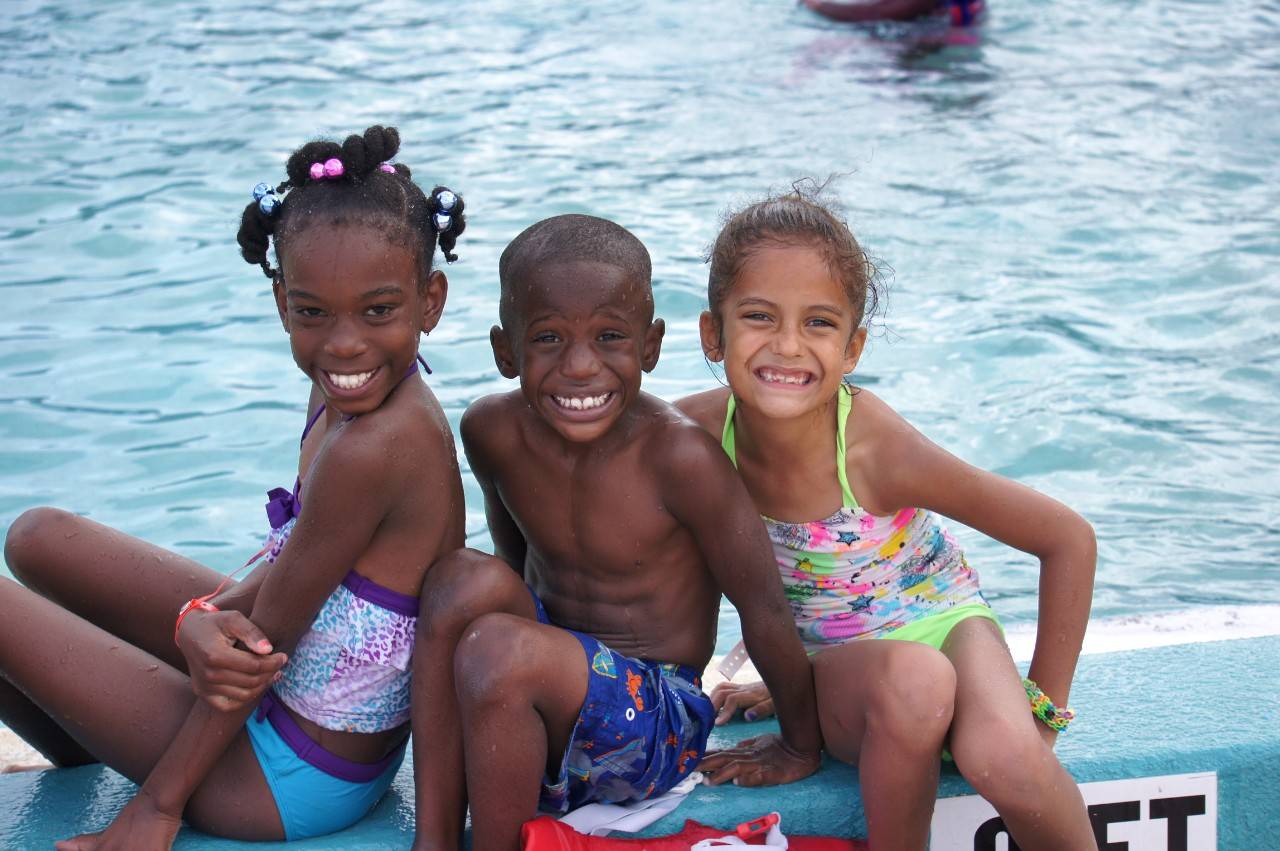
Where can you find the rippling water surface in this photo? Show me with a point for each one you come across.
(1080, 215)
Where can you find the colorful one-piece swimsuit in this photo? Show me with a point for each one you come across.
(859, 575)
(350, 672)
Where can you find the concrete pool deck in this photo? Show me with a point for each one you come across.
(1177, 747)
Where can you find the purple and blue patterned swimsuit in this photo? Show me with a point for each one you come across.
(349, 672)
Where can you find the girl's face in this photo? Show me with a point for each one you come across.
(354, 308)
(786, 332)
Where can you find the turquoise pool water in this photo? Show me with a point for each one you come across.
(1081, 214)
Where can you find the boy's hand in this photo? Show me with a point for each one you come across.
(226, 677)
(752, 698)
(760, 761)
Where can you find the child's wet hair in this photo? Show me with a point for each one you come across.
(366, 194)
(567, 238)
(805, 216)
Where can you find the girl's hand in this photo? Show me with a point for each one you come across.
(760, 761)
(140, 826)
(226, 677)
(1048, 734)
(752, 698)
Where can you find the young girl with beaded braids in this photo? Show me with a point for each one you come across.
(851, 495)
(378, 499)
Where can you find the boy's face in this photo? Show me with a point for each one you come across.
(580, 341)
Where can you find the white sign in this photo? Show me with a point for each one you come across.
(1178, 812)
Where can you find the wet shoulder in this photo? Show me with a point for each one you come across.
(401, 438)
(491, 421)
(707, 409)
(875, 426)
(880, 448)
(676, 441)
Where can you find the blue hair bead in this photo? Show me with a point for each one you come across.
(442, 221)
(261, 190)
(268, 204)
(446, 200)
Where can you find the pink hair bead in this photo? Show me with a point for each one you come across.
(388, 168)
(333, 168)
(317, 171)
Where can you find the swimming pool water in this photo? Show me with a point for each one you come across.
(1079, 217)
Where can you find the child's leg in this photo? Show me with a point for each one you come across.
(521, 685)
(999, 750)
(40, 731)
(459, 588)
(885, 706)
(123, 584)
(124, 706)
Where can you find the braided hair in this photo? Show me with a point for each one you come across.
(368, 191)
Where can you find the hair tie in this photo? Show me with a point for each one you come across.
(388, 168)
(327, 170)
(268, 201)
(445, 202)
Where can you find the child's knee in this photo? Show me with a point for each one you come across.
(461, 587)
(28, 539)
(491, 659)
(913, 698)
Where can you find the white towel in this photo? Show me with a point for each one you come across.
(600, 819)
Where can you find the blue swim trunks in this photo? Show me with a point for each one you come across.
(642, 728)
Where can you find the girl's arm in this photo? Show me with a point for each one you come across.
(222, 673)
(350, 490)
(897, 467)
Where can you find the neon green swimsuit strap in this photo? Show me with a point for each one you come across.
(727, 441)
(844, 404)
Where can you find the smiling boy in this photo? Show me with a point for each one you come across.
(626, 521)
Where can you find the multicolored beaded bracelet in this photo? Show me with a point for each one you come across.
(1042, 707)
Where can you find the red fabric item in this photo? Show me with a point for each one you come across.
(546, 834)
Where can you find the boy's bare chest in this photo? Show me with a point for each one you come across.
(601, 511)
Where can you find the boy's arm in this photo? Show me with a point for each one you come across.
(910, 470)
(348, 497)
(481, 427)
(704, 493)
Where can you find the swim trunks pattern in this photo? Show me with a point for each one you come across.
(642, 728)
